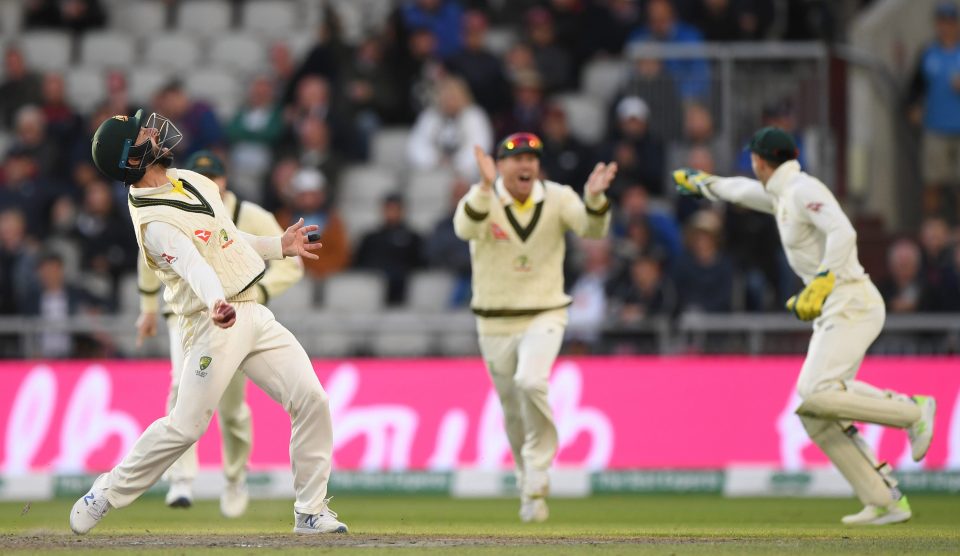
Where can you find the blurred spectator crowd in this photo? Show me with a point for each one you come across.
(360, 116)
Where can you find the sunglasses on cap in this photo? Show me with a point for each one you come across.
(520, 143)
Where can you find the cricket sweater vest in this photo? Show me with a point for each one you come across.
(517, 251)
(191, 203)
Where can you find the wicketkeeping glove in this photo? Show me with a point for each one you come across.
(808, 304)
(691, 182)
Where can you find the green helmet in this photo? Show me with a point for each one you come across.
(113, 145)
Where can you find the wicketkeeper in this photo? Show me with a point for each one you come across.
(847, 313)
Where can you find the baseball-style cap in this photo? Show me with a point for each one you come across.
(633, 107)
(518, 143)
(206, 163)
(308, 180)
(774, 143)
(946, 10)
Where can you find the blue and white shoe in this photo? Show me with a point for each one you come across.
(90, 509)
(323, 522)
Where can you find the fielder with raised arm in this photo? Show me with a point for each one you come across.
(847, 313)
(516, 225)
(210, 270)
(236, 427)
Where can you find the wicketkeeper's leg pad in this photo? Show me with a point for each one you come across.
(840, 441)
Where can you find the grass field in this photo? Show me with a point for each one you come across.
(599, 525)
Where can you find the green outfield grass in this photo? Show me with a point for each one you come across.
(598, 525)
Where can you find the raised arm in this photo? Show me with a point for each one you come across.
(741, 191)
(590, 218)
(282, 273)
(469, 220)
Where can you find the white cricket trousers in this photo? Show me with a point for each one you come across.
(233, 415)
(276, 362)
(852, 318)
(520, 365)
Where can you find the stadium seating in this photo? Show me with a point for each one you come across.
(269, 18)
(46, 50)
(586, 115)
(143, 82)
(602, 78)
(107, 49)
(430, 290)
(204, 17)
(172, 51)
(238, 52)
(142, 19)
(355, 292)
(85, 88)
(388, 148)
(217, 87)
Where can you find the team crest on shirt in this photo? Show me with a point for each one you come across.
(203, 235)
(225, 240)
(522, 264)
(498, 233)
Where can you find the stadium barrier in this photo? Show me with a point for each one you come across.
(626, 424)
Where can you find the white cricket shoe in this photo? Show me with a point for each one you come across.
(533, 510)
(234, 499)
(898, 512)
(921, 432)
(180, 494)
(90, 509)
(323, 522)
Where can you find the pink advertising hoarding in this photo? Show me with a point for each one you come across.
(612, 413)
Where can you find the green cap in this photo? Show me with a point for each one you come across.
(206, 163)
(773, 143)
(113, 145)
(523, 142)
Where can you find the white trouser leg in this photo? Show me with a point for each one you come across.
(836, 350)
(279, 365)
(236, 429)
(520, 365)
(185, 468)
(500, 355)
(198, 394)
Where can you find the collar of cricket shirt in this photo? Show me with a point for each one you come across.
(175, 185)
(507, 200)
(782, 176)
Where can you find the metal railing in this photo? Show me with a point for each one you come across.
(325, 334)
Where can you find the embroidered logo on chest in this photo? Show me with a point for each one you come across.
(203, 235)
(498, 233)
(522, 264)
(225, 240)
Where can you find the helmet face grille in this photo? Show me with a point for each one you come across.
(118, 156)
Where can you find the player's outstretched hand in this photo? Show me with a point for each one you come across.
(146, 327)
(224, 315)
(601, 177)
(295, 242)
(488, 168)
(691, 182)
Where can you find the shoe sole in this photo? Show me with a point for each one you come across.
(338, 530)
(885, 520)
(181, 503)
(931, 414)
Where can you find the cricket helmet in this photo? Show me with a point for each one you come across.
(114, 145)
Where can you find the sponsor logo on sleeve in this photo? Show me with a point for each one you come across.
(203, 235)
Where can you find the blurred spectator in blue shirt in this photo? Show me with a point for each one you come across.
(692, 75)
(195, 119)
(554, 62)
(442, 17)
(935, 93)
(637, 151)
